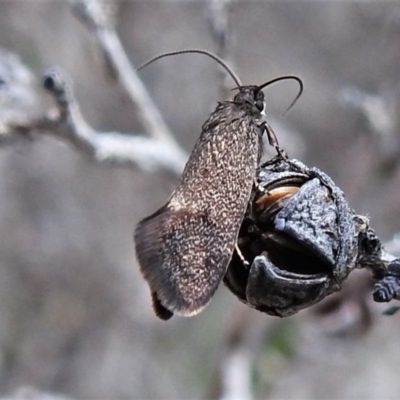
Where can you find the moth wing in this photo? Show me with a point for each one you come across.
(183, 256)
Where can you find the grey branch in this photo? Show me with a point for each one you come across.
(393, 246)
(31, 393)
(67, 123)
(218, 18)
(380, 114)
(91, 13)
(162, 149)
(373, 107)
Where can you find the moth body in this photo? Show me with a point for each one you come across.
(185, 247)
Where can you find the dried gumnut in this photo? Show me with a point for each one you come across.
(299, 237)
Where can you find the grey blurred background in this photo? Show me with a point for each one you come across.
(75, 314)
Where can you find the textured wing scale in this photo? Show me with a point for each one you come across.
(182, 269)
(185, 247)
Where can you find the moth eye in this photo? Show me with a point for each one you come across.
(259, 104)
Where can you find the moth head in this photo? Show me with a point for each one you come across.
(254, 96)
(251, 96)
(259, 101)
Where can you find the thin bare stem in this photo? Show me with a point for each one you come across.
(218, 17)
(67, 123)
(90, 13)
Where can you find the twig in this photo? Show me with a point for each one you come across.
(381, 118)
(31, 393)
(18, 95)
(67, 123)
(218, 17)
(238, 352)
(373, 107)
(393, 246)
(352, 310)
(91, 13)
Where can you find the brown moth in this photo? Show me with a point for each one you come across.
(185, 247)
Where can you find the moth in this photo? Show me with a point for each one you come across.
(185, 247)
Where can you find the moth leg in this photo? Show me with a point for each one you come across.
(272, 139)
(388, 288)
(242, 259)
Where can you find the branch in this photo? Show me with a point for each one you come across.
(373, 107)
(244, 337)
(19, 99)
(93, 15)
(381, 118)
(218, 18)
(393, 246)
(352, 310)
(67, 123)
(31, 393)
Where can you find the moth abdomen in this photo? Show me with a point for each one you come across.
(182, 255)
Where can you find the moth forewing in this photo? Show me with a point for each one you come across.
(185, 247)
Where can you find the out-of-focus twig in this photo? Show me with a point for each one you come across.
(218, 18)
(93, 14)
(381, 118)
(373, 107)
(67, 123)
(30, 393)
(239, 350)
(19, 100)
(218, 11)
(352, 311)
(393, 246)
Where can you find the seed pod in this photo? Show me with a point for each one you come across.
(299, 237)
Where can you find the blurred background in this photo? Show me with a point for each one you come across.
(75, 314)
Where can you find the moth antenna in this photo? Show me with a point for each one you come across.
(204, 52)
(282, 78)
